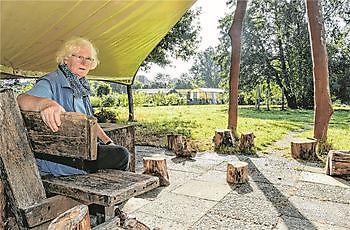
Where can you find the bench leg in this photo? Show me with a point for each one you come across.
(109, 212)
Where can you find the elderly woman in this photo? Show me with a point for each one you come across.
(67, 89)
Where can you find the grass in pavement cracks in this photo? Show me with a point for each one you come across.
(198, 123)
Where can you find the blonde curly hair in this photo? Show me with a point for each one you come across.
(72, 45)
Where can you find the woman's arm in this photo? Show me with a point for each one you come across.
(102, 135)
(50, 110)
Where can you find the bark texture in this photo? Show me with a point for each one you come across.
(237, 172)
(338, 163)
(323, 104)
(235, 35)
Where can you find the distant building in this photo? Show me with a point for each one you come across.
(155, 91)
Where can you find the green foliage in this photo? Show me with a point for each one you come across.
(103, 89)
(276, 49)
(107, 115)
(199, 122)
(95, 101)
(205, 70)
(109, 100)
(181, 41)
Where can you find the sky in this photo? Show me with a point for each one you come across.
(212, 10)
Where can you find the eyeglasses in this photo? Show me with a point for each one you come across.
(88, 60)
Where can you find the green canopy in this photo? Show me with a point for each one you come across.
(124, 31)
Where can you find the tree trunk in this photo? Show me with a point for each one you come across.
(268, 95)
(257, 97)
(303, 148)
(323, 104)
(283, 108)
(2, 206)
(235, 35)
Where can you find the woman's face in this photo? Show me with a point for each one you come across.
(80, 61)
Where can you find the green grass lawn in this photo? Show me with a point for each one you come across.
(199, 122)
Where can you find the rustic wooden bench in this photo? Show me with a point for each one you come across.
(105, 188)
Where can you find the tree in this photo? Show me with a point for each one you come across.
(205, 71)
(323, 104)
(181, 41)
(103, 89)
(235, 35)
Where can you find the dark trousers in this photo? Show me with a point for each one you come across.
(109, 157)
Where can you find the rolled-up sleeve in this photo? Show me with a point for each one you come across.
(41, 89)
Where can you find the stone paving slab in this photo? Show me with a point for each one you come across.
(204, 189)
(324, 179)
(153, 221)
(291, 223)
(323, 192)
(247, 209)
(281, 194)
(178, 208)
(324, 212)
(216, 221)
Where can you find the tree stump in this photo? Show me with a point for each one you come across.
(338, 163)
(237, 172)
(179, 145)
(304, 148)
(223, 138)
(246, 142)
(156, 166)
(76, 218)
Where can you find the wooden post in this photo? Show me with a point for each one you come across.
(131, 103)
(223, 138)
(156, 166)
(75, 218)
(304, 148)
(246, 141)
(338, 162)
(237, 172)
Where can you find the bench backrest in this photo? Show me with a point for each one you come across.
(17, 163)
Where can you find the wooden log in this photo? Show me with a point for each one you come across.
(304, 148)
(156, 166)
(223, 138)
(17, 160)
(76, 137)
(123, 135)
(76, 218)
(338, 162)
(237, 172)
(246, 141)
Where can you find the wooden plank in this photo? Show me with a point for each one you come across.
(110, 224)
(106, 188)
(17, 164)
(123, 135)
(48, 209)
(76, 137)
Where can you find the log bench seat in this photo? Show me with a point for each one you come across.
(106, 187)
(26, 193)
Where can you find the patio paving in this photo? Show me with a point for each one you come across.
(281, 194)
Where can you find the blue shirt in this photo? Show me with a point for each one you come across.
(55, 86)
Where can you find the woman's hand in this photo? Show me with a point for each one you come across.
(50, 112)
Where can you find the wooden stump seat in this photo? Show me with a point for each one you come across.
(338, 162)
(156, 166)
(237, 172)
(304, 148)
